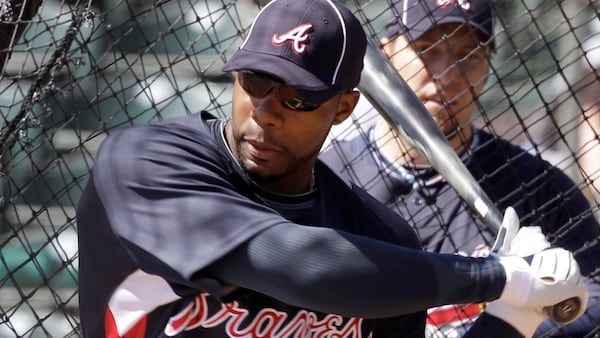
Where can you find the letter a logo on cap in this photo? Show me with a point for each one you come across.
(464, 4)
(297, 36)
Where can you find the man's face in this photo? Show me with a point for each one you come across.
(277, 145)
(447, 68)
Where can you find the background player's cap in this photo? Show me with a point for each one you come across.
(413, 18)
(315, 46)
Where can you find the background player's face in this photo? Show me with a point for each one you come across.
(278, 146)
(441, 67)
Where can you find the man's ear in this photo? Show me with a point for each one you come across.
(347, 104)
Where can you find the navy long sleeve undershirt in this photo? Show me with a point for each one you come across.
(317, 268)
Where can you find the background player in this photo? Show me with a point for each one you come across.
(443, 52)
(220, 228)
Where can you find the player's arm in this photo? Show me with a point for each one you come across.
(318, 268)
(337, 272)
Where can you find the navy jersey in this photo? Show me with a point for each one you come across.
(541, 194)
(165, 200)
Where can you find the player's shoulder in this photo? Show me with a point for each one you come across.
(176, 131)
(187, 141)
(329, 177)
(332, 181)
(371, 217)
(495, 151)
(503, 161)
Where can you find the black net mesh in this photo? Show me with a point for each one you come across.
(81, 70)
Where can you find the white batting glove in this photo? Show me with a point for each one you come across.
(551, 277)
(524, 320)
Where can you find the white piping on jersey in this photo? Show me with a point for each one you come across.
(238, 167)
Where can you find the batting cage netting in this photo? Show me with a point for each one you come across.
(83, 69)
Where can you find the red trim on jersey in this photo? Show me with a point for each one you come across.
(453, 314)
(110, 327)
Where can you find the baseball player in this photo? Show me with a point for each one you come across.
(442, 50)
(201, 227)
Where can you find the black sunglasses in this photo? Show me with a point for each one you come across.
(259, 85)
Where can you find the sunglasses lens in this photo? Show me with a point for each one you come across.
(292, 100)
(259, 85)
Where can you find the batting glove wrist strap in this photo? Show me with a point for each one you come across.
(519, 280)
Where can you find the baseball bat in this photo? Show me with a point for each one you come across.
(395, 101)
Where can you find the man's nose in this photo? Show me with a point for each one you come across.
(268, 110)
(447, 76)
(445, 70)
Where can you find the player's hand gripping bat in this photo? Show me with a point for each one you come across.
(391, 96)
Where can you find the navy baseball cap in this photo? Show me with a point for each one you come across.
(413, 18)
(315, 46)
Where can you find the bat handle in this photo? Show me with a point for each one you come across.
(565, 311)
